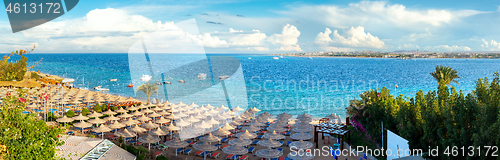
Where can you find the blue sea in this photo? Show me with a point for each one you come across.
(317, 86)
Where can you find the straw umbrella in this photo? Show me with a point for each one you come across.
(64, 120)
(137, 129)
(236, 150)
(97, 120)
(143, 118)
(246, 135)
(121, 110)
(125, 115)
(301, 144)
(240, 142)
(269, 153)
(273, 135)
(221, 132)
(102, 129)
(130, 122)
(149, 139)
(228, 127)
(81, 117)
(177, 143)
(116, 125)
(126, 133)
(171, 127)
(149, 125)
(154, 115)
(205, 147)
(109, 112)
(137, 113)
(132, 108)
(111, 118)
(82, 125)
(162, 121)
(301, 136)
(252, 128)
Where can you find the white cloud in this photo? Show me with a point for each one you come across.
(376, 13)
(212, 41)
(446, 48)
(352, 37)
(492, 45)
(287, 39)
(253, 38)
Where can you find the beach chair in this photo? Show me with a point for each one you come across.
(179, 150)
(215, 155)
(199, 153)
(158, 154)
(274, 159)
(288, 143)
(191, 143)
(281, 142)
(288, 133)
(251, 149)
(230, 156)
(280, 149)
(71, 133)
(224, 146)
(217, 145)
(223, 140)
(244, 157)
(255, 142)
(187, 151)
(260, 136)
(162, 147)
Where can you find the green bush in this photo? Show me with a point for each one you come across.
(85, 111)
(439, 118)
(161, 158)
(141, 157)
(97, 107)
(70, 113)
(34, 75)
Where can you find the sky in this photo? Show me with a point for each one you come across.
(259, 26)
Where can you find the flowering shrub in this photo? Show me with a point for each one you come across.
(24, 136)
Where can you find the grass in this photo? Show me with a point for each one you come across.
(358, 138)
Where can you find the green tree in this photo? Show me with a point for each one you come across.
(70, 113)
(445, 75)
(10, 71)
(148, 89)
(97, 107)
(85, 111)
(24, 136)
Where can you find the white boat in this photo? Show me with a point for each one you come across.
(310, 57)
(113, 80)
(202, 76)
(276, 58)
(99, 88)
(146, 78)
(167, 82)
(182, 81)
(223, 77)
(249, 57)
(281, 56)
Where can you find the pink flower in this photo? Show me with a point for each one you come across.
(8, 94)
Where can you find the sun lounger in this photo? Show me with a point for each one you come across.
(255, 142)
(244, 157)
(158, 154)
(274, 159)
(281, 142)
(187, 151)
(198, 153)
(215, 155)
(288, 143)
(260, 136)
(191, 144)
(224, 146)
(251, 149)
(280, 149)
(217, 145)
(223, 140)
(71, 133)
(229, 156)
(288, 133)
(179, 150)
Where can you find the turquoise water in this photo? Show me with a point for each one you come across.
(317, 86)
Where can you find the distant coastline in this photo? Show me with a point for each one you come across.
(395, 55)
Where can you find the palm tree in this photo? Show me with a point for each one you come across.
(148, 89)
(445, 75)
